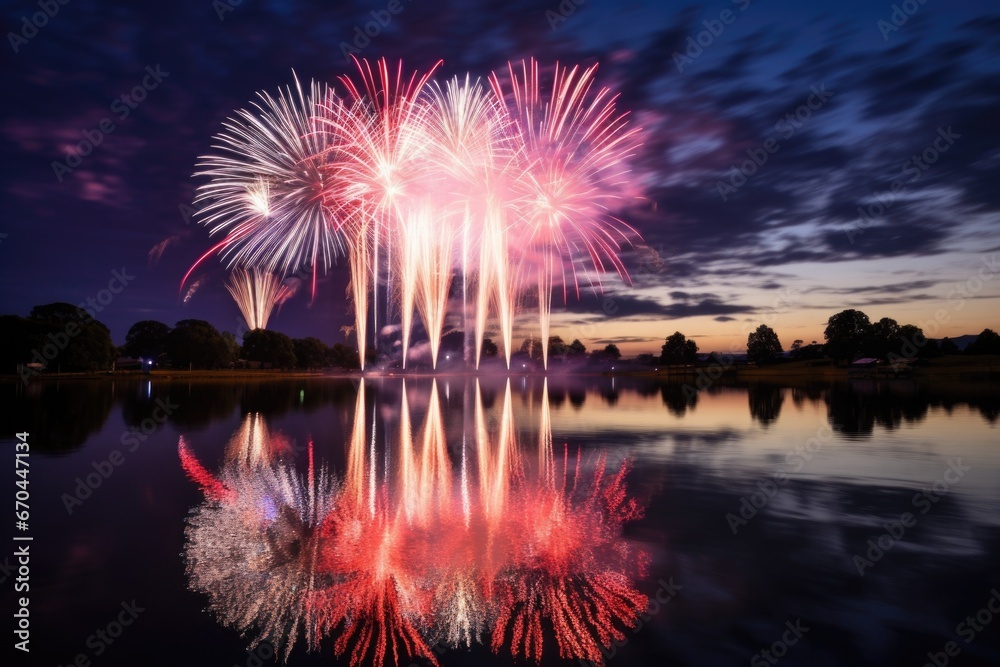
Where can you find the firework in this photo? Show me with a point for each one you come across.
(266, 189)
(573, 173)
(510, 186)
(256, 293)
(376, 166)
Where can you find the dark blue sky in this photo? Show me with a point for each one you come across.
(785, 246)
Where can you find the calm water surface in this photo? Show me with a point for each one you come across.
(849, 523)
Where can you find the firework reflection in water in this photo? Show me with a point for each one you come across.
(252, 546)
(424, 551)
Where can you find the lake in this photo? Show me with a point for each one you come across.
(493, 522)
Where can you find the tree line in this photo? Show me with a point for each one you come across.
(849, 335)
(61, 337)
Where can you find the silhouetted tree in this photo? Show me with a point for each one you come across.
(310, 352)
(83, 343)
(21, 336)
(342, 356)
(678, 350)
(763, 346)
(847, 333)
(947, 346)
(489, 349)
(269, 347)
(235, 349)
(557, 347)
(646, 359)
(197, 344)
(883, 338)
(146, 339)
(532, 347)
(576, 350)
(911, 342)
(987, 342)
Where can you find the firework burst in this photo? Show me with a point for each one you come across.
(573, 173)
(257, 293)
(512, 186)
(267, 185)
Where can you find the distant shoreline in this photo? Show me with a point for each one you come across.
(971, 367)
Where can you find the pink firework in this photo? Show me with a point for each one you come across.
(510, 188)
(574, 172)
(374, 166)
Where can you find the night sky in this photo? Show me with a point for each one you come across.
(845, 106)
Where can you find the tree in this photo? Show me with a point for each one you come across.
(612, 352)
(532, 347)
(646, 359)
(489, 349)
(22, 337)
(82, 343)
(269, 347)
(557, 347)
(235, 349)
(763, 346)
(678, 350)
(947, 346)
(197, 344)
(987, 342)
(576, 350)
(883, 338)
(342, 356)
(146, 339)
(911, 342)
(847, 333)
(310, 352)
